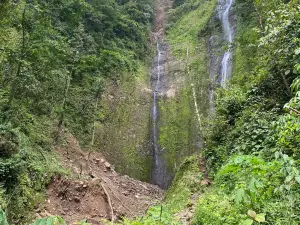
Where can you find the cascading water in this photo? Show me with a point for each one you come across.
(226, 64)
(159, 172)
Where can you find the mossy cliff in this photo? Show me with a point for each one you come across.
(188, 77)
(123, 129)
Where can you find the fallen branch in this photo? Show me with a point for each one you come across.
(121, 201)
(109, 202)
(294, 110)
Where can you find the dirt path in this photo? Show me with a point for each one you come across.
(95, 191)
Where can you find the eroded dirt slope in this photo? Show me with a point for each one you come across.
(94, 191)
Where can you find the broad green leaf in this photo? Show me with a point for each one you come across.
(288, 179)
(252, 184)
(239, 195)
(285, 157)
(260, 217)
(297, 179)
(277, 154)
(3, 220)
(252, 214)
(247, 222)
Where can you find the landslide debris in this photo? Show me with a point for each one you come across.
(94, 191)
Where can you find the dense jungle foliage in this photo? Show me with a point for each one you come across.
(253, 143)
(55, 59)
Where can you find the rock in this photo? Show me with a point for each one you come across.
(76, 199)
(107, 165)
(147, 90)
(81, 183)
(171, 93)
(102, 160)
(38, 210)
(84, 186)
(92, 175)
(205, 182)
(96, 180)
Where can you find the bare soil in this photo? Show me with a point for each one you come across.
(94, 191)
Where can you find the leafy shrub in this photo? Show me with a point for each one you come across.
(52, 220)
(284, 136)
(249, 179)
(157, 215)
(248, 189)
(217, 209)
(9, 141)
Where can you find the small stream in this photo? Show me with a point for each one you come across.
(226, 64)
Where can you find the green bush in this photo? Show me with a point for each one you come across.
(217, 209)
(9, 141)
(248, 183)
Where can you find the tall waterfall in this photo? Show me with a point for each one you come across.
(226, 64)
(159, 174)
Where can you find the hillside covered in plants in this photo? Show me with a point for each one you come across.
(200, 98)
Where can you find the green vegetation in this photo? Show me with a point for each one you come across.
(186, 183)
(57, 59)
(51, 220)
(253, 143)
(80, 66)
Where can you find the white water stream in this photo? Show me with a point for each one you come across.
(226, 64)
(159, 174)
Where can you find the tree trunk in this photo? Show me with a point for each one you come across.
(62, 113)
(286, 85)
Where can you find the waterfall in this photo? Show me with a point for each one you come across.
(159, 174)
(155, 117)
(226, 64)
